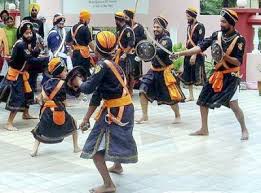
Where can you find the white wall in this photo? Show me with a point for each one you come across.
(173, 10)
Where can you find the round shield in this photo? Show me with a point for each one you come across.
(217, 52)
(76, 71)
(145, 50)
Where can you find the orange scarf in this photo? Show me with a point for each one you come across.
(217, 78)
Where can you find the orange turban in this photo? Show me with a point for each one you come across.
(56, 66)
(85, 15)
(106, 42)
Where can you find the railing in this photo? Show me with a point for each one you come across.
(256, 40)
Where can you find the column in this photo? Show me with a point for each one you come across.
(256, 39)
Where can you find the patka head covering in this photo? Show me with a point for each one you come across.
(85, 15)
(56, 66)
(230, 16)
(105, 42)
(192, 11)
(58, 18)
(25, 25)
(161, 21)
(34, 6)
(129, 12)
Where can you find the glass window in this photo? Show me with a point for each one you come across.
(4, 3)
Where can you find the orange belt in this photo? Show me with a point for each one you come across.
(84, 50)
(58, 116)
(217, 78)
(119, 102)
(12, 75)
(48, 104)
(170, 82)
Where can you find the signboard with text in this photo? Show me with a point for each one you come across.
(104, 6)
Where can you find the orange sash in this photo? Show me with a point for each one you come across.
(190, 36)
(12, 75)
(217, 78)
(190, 40)
(117, 56)
(170, 82)
(58, 115)
(84, 50)
(118, 102)
(228, 52)
(120, 49)
(123, 101)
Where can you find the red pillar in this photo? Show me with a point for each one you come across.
(244, 27)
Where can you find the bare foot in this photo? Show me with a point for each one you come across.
(201, 132)
(10, 127)
(28, 116)
(245, 135)
(116, 170)
(104, 189)
(177, 120)
(189, 99)
(77, 150)
(34, 154)
(142, 120)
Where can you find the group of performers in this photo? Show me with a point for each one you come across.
(112, 82)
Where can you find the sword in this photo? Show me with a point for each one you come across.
(156, 42)
(136, 5)
(150, 36)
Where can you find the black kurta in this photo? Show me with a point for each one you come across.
(194, 74)
(47, 131)
(208, 97)
(120, 145)
(153, 83)
(83, 38)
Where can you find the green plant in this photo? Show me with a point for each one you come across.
(179, 62)
(112, 29)
(209, 68)
(213, 7)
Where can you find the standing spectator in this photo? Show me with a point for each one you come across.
(194, 68)
(10, 32)
(3, 51)
(4, 14)
(15, 90)
(38, 26)
(79, 37)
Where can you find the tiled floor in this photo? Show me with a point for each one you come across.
(170, 161)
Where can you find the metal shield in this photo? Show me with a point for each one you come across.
(145, 50)
(216, 52)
